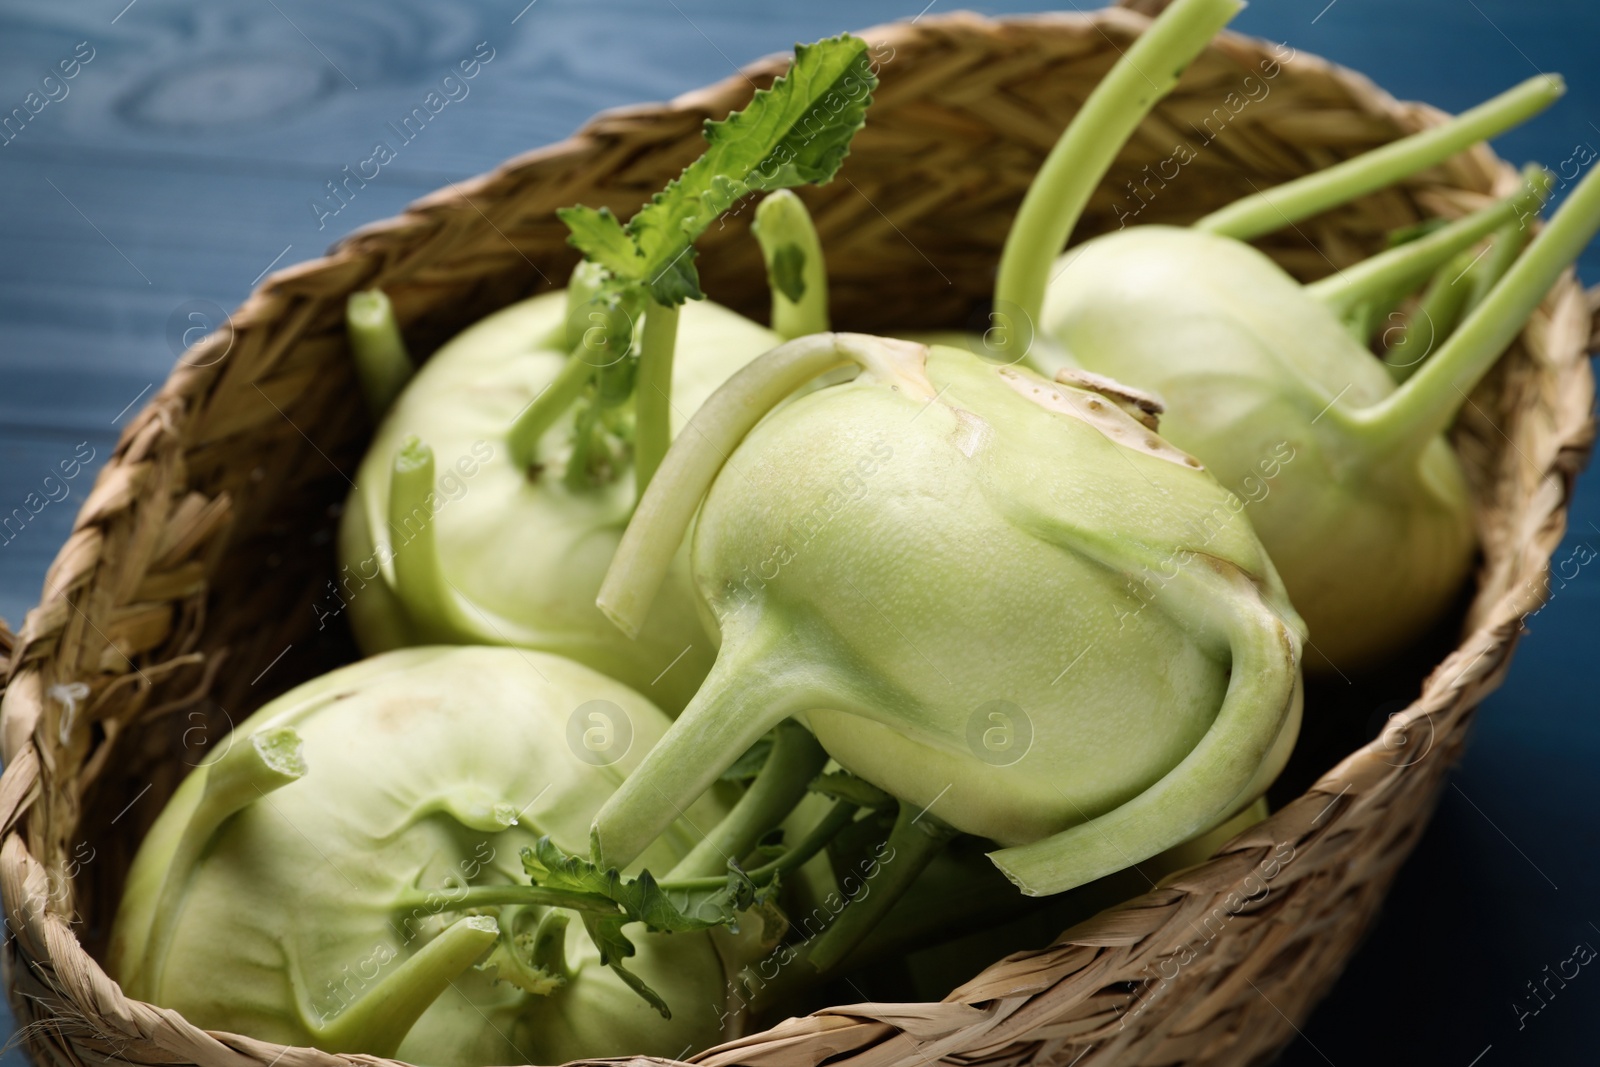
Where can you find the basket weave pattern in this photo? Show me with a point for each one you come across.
(198, 556)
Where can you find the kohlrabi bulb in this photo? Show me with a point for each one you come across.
(512, 553)
(1003, 600)
(301, 886)
(1373, 538)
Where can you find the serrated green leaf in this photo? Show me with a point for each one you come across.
(598, 235)
(677, 281)
(795, 133)
(606, 932)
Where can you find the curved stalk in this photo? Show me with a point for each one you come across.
(471, 897)
(1301, 198)
(913, 843)
(543, 411)
(1425, 405)
(1399, 270)
(694, 460)
(652, 393)
(795, 760)
(728, 715)
(839, 816)
(382, 363)
(246, 772)
(796, 272)
(419, 581)
(378, 1022)
(1437, 313)
(1508, 243)
(1145, 73)
(584, 285)
(1209, 782)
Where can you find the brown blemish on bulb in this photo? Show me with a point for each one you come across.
(1127, 420)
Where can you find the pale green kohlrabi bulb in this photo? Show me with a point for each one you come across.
(1258, 378)
(300, 894)
(1004, 600)
(515, 555)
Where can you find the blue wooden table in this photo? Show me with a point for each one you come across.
(189, 151)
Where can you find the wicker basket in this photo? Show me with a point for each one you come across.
(195, 562)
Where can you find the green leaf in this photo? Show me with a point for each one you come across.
(795, 133)
(749, 765)
(641, 899)
(606, 932)
(677, 281)
(601, 237)
(788, 271)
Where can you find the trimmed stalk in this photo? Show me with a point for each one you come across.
(1145, 73)
(1209, 782)
(796, 271)
(795, 760)
(1396, 271)
(419, 581)
(694, 460)
(378, 1022)
(246, 772)
(1301, 198)
(652, 433)
(382, 363)
(549, 952)
(913, 843)
(587, 359)
(1424, 406)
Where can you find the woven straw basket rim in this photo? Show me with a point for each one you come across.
(136, 602)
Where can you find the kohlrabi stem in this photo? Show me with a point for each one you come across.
(796, 272)
(1486, 273)
(1274, 208)
(915, 840)
(652, 432)
(543, 411)
(1425, 405)
(1145, 73)
(1397, 271)
(549, 952)
(663, 513)
(377, 1023)
(382, 363)
(584, 285)
(419, 581)
(796, 758)
(1209, 782)
(839, 816)
(1437, 313)
(470, 897)
(248, 770)
(726, 717)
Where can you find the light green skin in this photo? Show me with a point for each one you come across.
(987, 554)
(1373, 548)
(526, 556)
(302, 884)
